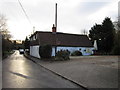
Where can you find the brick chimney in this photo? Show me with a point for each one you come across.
(54, 29)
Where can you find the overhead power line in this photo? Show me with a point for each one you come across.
(24, 12)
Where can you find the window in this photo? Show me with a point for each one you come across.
(36, 36)
(31, 39)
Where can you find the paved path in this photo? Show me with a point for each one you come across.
(91, 71)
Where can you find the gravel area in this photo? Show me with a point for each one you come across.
(89, 71)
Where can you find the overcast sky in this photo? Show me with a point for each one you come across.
(73, 15)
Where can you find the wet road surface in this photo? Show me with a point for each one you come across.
(19, 72)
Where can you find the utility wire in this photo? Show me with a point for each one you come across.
(24, 12)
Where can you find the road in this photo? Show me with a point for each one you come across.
(19, 72)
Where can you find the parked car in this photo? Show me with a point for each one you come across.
(21, 51)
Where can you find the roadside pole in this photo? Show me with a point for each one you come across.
(0, 61)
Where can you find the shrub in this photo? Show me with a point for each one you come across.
(76, 53)
(62, 55)
(45, 51)
(116, 50)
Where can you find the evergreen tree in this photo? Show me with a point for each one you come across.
(104, 34)
(116, 49)
(95, 32)
(27, 43)
(108, 34)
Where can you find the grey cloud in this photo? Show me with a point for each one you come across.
(90, 7)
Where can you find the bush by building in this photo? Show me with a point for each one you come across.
(76, 53)
(62, 55)
(45, 51)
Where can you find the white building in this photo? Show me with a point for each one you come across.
(64, 41)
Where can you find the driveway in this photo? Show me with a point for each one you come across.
(89, 71)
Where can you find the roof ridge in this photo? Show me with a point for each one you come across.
(60, 33)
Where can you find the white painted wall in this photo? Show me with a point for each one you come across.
(34, 51)
(84, 50)
(53, 51)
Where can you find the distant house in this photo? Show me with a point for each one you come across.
(62, 41)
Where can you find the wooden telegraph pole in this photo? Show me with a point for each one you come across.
(56, 28)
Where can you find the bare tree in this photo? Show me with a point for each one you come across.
(118, 23)
(116, 48)
(7, 45)
(4, 28)
(84, 32)
(3, 24)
